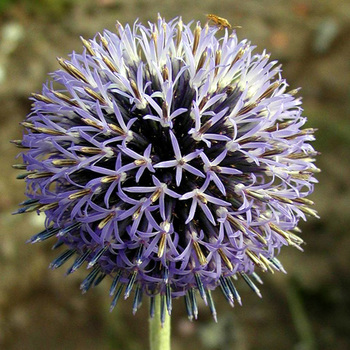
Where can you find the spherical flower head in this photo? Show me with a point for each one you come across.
(171, 158)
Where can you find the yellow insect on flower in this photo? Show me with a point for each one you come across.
(219, 21)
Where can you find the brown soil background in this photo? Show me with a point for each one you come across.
(304, 310)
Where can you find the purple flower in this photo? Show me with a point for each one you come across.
(170, 160)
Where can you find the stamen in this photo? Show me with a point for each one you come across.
(136, 214)
(161, 245)
(225, 259)
(279, 126)
(116, 129)
(135, 89)
(88, 46)
(109, 64)
(309, 211)
(64, 162)
(256, 260)
(197, 34)
(247, 108)
(65, 98)
(268, 93)
(202, 60)
(238, 57)
(202, 198)
(42, 98)
(104, 42)
(70, 69)
(39, 175)
(201, 257)
(204, 128)
(110, 178)
(179, 33)
(258, 236)
(94, 95)
(165, 73)
(267, 263)
(42, 130)
(25, 175)
(91, 150)
(165, 110)
(48, 206)
(217, 62)
(105, 221)
(154, 37)
(78, 194)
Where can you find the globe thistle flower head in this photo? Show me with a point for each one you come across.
(171, 158)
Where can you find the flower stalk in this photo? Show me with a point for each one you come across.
(159, 330)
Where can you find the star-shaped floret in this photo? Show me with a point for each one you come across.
(142, 162)
(159, 190)
(199, 197)
(212, 168)
(180, 162)
(199, 131)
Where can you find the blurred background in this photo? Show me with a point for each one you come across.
(306, 309)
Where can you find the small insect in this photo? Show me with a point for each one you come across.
(219, 21)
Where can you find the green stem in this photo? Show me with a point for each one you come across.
(300, 317)
(159, 334)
